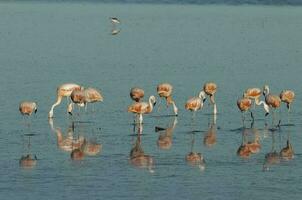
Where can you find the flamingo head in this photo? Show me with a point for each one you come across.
(202, 95)
(265, 90)
(152, 99)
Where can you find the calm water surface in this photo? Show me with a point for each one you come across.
(45, 45)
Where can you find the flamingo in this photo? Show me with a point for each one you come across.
(253, 93)
(141, 108)
(28, 107)
(77, 97)
(64, 90)
(196, 103)
(165, 90)
(273, 101)
(92, 95)
(244, 104)
(287, 96)
(137, 94)
(82, 97)
(210, 89)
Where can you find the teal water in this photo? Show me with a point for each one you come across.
(45, 45)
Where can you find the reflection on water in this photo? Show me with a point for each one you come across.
(79, 146)
(195, 158)
(287, 152)
(28, 160)
(138, 158)
(250, 142)
(66, 143)
(165, 138)
(273, 157)
(209, 139)
(115, 31)
(44, 45)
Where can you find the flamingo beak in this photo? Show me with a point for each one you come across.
(266, 114)
(154, 103)
(157, 128)
(204, 100)
(36, 111)
(70, 113)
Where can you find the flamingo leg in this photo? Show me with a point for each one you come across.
(212, 99)
(215, 109)
(140, 118)
(288, 113)
(159, 105)
(252, 116)
(274, 117)
(193, 117)
(243, 118)
(86, 107)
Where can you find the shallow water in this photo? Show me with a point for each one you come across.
(45, 45)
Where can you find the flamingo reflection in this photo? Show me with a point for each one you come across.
(249, 146)
(67, 143)
(78, 146)
(287, 153)
(138, 158)
(195, 158)
(272, 157)
(165, 137)
(29, 160)
(115, 31)
(209, 139)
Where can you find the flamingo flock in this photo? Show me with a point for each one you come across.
(271, 102)
(80, 96)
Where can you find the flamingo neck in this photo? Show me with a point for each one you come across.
(59, 99)
(257, 102)
(266, 91)
(202, 95)
(150, 104)
(265, 106)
